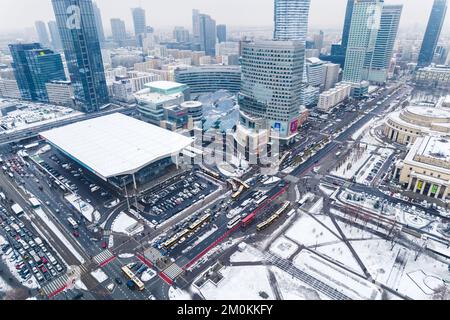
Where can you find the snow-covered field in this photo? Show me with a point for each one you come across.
(250, 254)
(148, 275)
(347, 283)
(284, 248)
(240, 283)
(309, 232)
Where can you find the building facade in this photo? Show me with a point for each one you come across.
(221, 33)
(333, 97)
(406, 125)
(9, 89)
(270, 96)
(42, 33)
(139, 23)
(82, 52)
(54, 33)
(426, 168)
(384, 46)
(332, 71)
(119, 32)
(60, 93)
(291, 19)
(99, 22)
(432, 33)
(433, 77)
(362, 39)
(34, 66)
(206, 79)
(207, 34)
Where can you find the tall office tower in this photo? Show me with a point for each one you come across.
(431, 38)
(291, 19)
(221, 33)
(378, 67)
(119, 32)
(140, 24)
(362, 39)
(196, 25)
(99, 23)
(54, 34)
(180, 34)
(331, 75)
(34, 66)
(76, 24)
(271, 85)
(347, 25)
(318, 41)
(41, 30)
(208, 35)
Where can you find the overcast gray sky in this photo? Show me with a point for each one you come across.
(17, 14)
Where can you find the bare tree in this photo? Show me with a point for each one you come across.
(441, 293)
(16, 294)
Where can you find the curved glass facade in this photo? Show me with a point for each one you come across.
(210, 79)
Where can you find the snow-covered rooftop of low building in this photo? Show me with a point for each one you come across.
(116, 144)
(436, 147)
(164, 85)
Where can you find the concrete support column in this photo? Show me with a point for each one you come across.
(409, 183)
(417, 184)
(444, 197)
(431, 189)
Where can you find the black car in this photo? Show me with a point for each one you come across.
(119, 281)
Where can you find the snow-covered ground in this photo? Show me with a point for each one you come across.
(354, 162)
(272, 180)
(347, 283)
(126, 255)
(284, 248)
(178, 294)
(99, 275)
(293, 289)
(239, 283)
(309, 232)
(126, 225)
(4, 287)
(250, 254)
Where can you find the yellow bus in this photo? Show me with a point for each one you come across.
(238, 193)
(139, 284)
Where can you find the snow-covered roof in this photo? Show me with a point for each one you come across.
(164, 85)
(116, 144)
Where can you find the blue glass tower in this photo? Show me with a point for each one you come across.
(79, 36)
(432, 33)
(34, 66)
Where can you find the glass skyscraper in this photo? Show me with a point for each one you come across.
(78, 31)
(208, 34)
(362, 38)
(140, 24)
(291, 19)
(119, 33)
(432, 33)
(384, 46)
(271, 87)
(41, 30)
(34, 66)
(221, 33)
(54, 33)
(99, 23)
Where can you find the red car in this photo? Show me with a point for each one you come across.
(76, 234)
(44, 270)
(104, 245)
(44, 260)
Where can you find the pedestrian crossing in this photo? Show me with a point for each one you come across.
(104, 257)
(55, 286)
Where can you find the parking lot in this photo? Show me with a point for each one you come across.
(31, 255)
(175, 197)
(69, 176)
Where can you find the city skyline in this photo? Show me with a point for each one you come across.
(333, 17)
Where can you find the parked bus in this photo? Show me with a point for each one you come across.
(130, 275)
